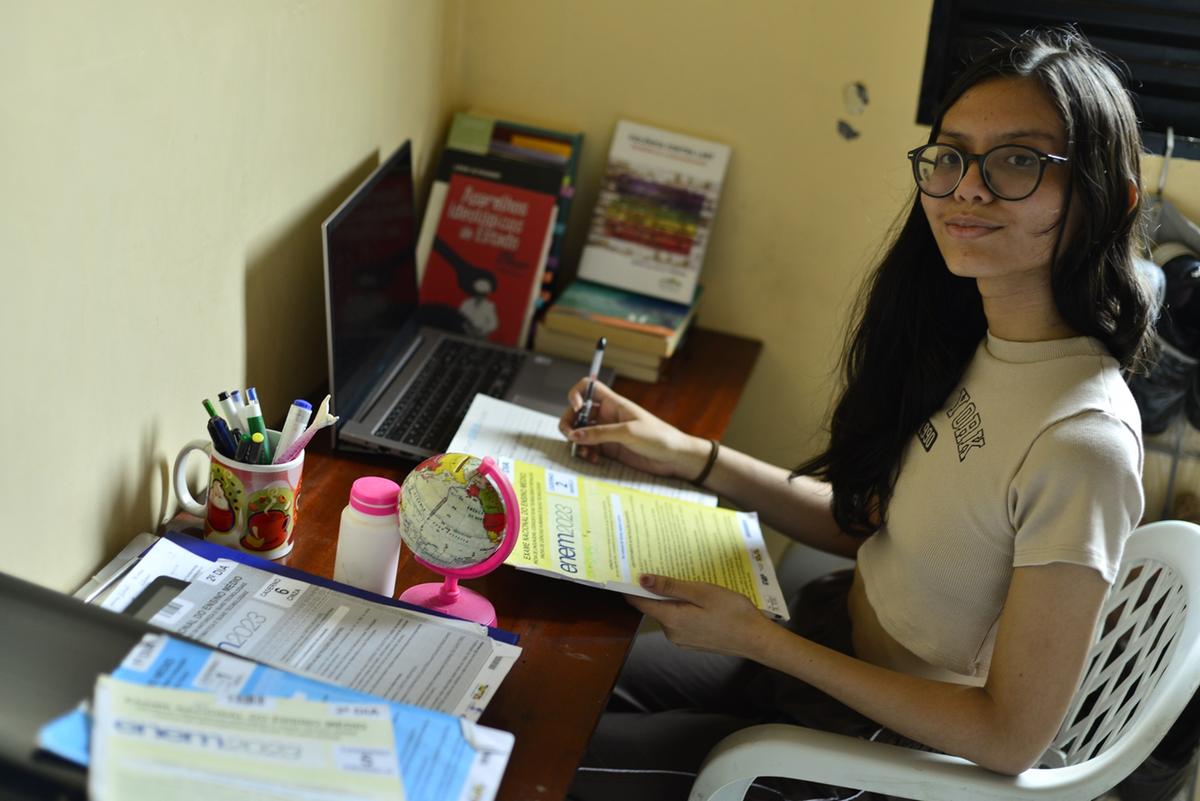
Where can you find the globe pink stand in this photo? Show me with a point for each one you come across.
(461, 602)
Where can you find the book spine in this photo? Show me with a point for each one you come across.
(608, 322)
(583, 348)
(619, 336)
(638, 372)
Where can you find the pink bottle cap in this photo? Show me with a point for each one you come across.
(374, 495)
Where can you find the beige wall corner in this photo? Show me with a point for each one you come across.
(166, 171)
(803, 208)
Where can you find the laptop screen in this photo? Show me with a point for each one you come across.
(370, 280)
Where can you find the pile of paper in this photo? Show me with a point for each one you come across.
(349, 694)
(182, 716)
(325, 631)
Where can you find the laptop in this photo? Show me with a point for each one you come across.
(400, 379)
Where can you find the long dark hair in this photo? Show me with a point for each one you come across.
(918, 325)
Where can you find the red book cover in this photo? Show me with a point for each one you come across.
(488, 255)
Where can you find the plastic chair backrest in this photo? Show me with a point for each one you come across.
(1139, 631)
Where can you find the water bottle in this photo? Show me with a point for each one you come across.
(368, 550)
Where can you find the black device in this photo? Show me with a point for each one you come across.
(54, 647)
(401, 381)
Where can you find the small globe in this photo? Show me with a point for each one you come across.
(450, 515)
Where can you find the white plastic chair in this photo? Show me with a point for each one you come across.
(1142, 669)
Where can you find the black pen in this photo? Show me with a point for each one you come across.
(585, 410)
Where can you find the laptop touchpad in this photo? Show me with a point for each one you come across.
(541, 404)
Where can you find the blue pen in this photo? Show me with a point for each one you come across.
(223, 440)
(297, 420)
(239, 409)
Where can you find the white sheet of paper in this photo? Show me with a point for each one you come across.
(501, 429)
(165, 558)
(398, 654)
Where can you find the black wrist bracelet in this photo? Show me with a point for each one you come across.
(699, 480)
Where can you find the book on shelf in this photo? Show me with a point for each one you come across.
(629, 320)
(483, 134)
(488, 252)
(654, 214)
(634, 364)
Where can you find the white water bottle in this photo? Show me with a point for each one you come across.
(368, 550)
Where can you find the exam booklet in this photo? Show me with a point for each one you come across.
(439, 663)
(440, 757)
(604, 524)
(590, 531)
(151, 743)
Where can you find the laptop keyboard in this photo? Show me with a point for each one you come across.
(435, 403)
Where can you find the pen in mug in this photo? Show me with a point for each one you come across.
(250, 448)
(241, 400)
(297, 418)
(255, 423)
(222, 439)
(320, 420)
(230, 411)
(239, 409)
(585, 411)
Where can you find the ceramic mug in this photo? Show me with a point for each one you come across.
(251, 507)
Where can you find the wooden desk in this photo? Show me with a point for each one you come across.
(574, 638)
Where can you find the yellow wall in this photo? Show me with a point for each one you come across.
(804, 210)
(166, 167)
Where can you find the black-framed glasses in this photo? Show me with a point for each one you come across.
(1011, 172)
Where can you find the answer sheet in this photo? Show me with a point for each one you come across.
(441, 757)
(151, 743)
(448, 665)
(595, 532)
(501, 429)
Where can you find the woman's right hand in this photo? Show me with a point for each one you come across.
(624, 431)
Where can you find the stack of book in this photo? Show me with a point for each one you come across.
(492, 235)
(639, 273)
(642, 332)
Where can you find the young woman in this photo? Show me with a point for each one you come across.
(983, 465)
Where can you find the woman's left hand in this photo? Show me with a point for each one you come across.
(705, 617)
